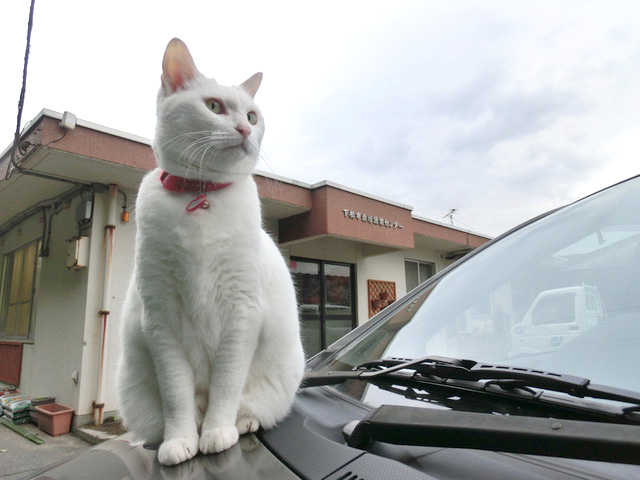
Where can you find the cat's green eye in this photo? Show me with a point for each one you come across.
(252, 117)
(215, 106)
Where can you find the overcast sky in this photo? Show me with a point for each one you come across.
(499, 109)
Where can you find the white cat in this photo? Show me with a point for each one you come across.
(210, 337)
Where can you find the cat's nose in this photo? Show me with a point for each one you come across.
(244, 130)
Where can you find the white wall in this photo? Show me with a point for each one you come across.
(423, 255)
(56, 350)
(325, 248)
(377, 263)
(122, 266)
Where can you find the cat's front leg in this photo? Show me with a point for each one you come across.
(231, 365)
(180, 431)
(176, 386)
(219, 431)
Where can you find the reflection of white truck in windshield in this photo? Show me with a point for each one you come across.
(555, 317)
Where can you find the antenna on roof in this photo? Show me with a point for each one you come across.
(450, 215)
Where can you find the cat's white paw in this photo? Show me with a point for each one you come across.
(177, 450)
(247, 424)
(217, 439)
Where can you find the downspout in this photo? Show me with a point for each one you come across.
(109, 229)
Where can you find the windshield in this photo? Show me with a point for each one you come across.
(561, 294)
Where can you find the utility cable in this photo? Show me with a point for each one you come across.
(16, 138)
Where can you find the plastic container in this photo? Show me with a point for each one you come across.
(54, 419)
(39, 401)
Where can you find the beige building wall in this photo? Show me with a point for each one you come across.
(326, 248)
(122, 267)
(66, 322)
(55, 352)
(377, 263)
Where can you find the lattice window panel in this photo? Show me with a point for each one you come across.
(381, 295)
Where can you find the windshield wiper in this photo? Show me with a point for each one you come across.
(443, 369)
(404, 425)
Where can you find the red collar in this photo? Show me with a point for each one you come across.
(181, 184)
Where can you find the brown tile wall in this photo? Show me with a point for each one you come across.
(328, 217)
(442, 232)
(283, 192)
(90, 143)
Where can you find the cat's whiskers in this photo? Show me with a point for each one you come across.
(190, 155)
(264, 156)
(275, 185)
(164, 147)
(181, 137)
(206, 148)
(201, 148)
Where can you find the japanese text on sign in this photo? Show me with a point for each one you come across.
(372, 219)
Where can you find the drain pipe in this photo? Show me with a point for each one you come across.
(109, 229)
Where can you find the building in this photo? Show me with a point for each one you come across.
(67, 233)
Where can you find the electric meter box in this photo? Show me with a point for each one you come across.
(77, 253)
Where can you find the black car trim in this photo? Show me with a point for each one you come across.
(514, 434)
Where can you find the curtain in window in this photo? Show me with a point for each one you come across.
(19, 286)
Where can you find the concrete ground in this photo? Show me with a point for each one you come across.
(19, 457)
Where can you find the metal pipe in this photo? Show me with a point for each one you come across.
(47, 176)
(109, 230)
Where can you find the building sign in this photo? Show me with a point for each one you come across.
(372, 219)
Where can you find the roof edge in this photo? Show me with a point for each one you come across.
(448, 225)
(45, 112)
(329, 183)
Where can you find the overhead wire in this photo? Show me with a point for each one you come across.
(16, 138)
(52, 204)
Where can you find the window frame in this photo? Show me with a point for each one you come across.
(418, 263)
(322, 310)
(6, 262)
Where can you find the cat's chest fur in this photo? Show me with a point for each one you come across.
(207, 258)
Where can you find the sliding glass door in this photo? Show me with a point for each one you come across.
(326, 299)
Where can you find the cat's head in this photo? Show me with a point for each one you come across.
(205, 130)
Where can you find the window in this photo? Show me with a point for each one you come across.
(555, 310)
(326, 301)
(417, 272)
(18, 282)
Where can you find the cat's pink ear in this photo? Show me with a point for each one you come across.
(252, 83)
(177, 66)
